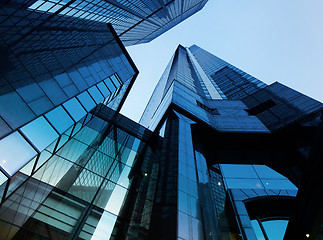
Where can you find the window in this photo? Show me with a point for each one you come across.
(206, 108)
(261, 107)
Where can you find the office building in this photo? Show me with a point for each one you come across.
(57, 49)
(83, 185)
(223, 156)
(240, 159)
(59, 61)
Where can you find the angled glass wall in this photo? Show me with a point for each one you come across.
(81, 185)
(135, 21)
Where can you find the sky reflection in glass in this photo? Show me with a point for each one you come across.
(59, 119)
(15, 152)
(254, 177)
(75, 109)
(40, 133)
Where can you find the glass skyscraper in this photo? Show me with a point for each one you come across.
(239, 158)
(63, 63)
(219, 154)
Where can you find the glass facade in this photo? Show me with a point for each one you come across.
(79, 188)
(56, 70)
(135, 21)
(233, 153)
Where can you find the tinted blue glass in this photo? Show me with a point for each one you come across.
(4, 128)
(102, 75)
(257, 229)
(278, 184)
(84, 72)
(266, 172)
(17, 115)
(90, 81)
(41, 105)
(95, 93)
(86, 101)
(40, 133)
(53, 91)
(15, 152)
(104, 90)
(115, 81)
(71, 90)
(275, 229)
(94, 74)
(30, 92)
(238, 171)
(78, 80)
(110, 85)
(63, 80)
(243, 183)
(75, 109)
(59, 118)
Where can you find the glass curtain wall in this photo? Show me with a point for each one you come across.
(79, 186)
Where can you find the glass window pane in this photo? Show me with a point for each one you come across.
(275, 229)
(15, 116)
(3, 182)
(116, 200)
(63, 80)
(243, 183)
(30, 92)
(72, 150)
(105, 226)
(103, 89)
(59, 118)
(266, 172)
(278, 184)
(78, 80)
(86, 101)
(110, 85)
(53, 170)
(40, 133)
(15, 152)
(53, 91)
(44, 156)
(115, 81)
(238, 171)
(75, 109)
(95, 93)
(4, 128)
(257, 229)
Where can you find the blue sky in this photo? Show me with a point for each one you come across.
(276, 40)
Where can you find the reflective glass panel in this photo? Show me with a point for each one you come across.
(15, 152)
(110, 85)
(278, 184)
(116, 200)
(3, 182)
(75, 109)
(104, 90)
(115, 81)
(105, 226)
(266, 172)
(40, 133)
(86, 101)
(257, 229)
(243, 183)
(43, 157)
(59, 118)
(275, 229)
(95, 93)
(238, 171)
